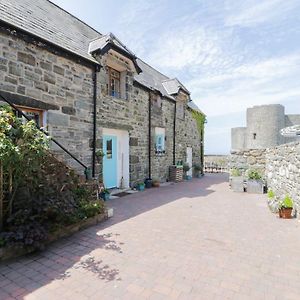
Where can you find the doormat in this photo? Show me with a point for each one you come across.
(122, 194)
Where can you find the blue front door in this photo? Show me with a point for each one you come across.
(110, 161)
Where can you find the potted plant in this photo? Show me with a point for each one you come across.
(197, 170)
(105, 194)
(99, 155)
(148, 183)
(286, 207)
(254, 183)
(156, 183)
(140, 186)
(186, 168)
(237, 180)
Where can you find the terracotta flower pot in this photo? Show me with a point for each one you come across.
(285, 213)
(155, 184)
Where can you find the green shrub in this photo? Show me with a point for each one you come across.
(46, 194)
(271, 194)
(197, 167)
(186, 167)
(235, 172)
(287, 202)
(254, 175)
(91, 209)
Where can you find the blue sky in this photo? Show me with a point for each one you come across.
(231, 54)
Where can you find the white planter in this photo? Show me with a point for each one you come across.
(255, 187)
(237, 184)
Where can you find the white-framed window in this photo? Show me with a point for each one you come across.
(160, 137)
(114, 84)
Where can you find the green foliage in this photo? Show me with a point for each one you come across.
(254, 175)
(45, 194)
(186, 167)
(200, 119)
(99, 153)
(197, 167)
(271, 194)
(89, 209)
(287, 202)
(235, 172)
(105, 191)
(141, 183)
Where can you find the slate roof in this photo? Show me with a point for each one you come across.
(152, 78)
(51, 23)
(48, 21)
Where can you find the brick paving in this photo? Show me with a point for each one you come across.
(192, 240)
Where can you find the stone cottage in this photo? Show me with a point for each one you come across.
(91, 93)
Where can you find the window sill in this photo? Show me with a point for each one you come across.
(160, 153)
(117, 98)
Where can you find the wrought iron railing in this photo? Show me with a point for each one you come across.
(45, 132)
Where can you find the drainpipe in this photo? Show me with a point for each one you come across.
(202, 152)
(97, 69)
(149, 137)
(174, 135)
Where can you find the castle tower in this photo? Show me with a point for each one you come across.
(263, 126)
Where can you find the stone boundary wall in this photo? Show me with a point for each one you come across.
(283, 171)
(254, 159)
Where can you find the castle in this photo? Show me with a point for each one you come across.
(264, 123)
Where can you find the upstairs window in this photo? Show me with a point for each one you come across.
(160, 140)
(114, 83)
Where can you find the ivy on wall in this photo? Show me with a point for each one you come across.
(200, 119)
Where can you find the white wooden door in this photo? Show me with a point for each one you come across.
(189, 159)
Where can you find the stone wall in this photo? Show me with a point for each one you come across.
(283, 171)
(42, 78)
(162, 117)
(254, 159)
(187, 133)
(36, 77)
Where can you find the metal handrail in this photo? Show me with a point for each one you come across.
(44, 132)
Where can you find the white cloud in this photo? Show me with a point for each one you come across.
(252, 13)
(184, 47)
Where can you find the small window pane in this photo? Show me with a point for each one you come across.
(31, 114)
(109, 149)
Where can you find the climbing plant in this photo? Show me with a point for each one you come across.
(200, 119)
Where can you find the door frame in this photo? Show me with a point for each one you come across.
(111, 164)
(189, 154)
(122, 154)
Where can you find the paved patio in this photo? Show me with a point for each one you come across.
(192, 240)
